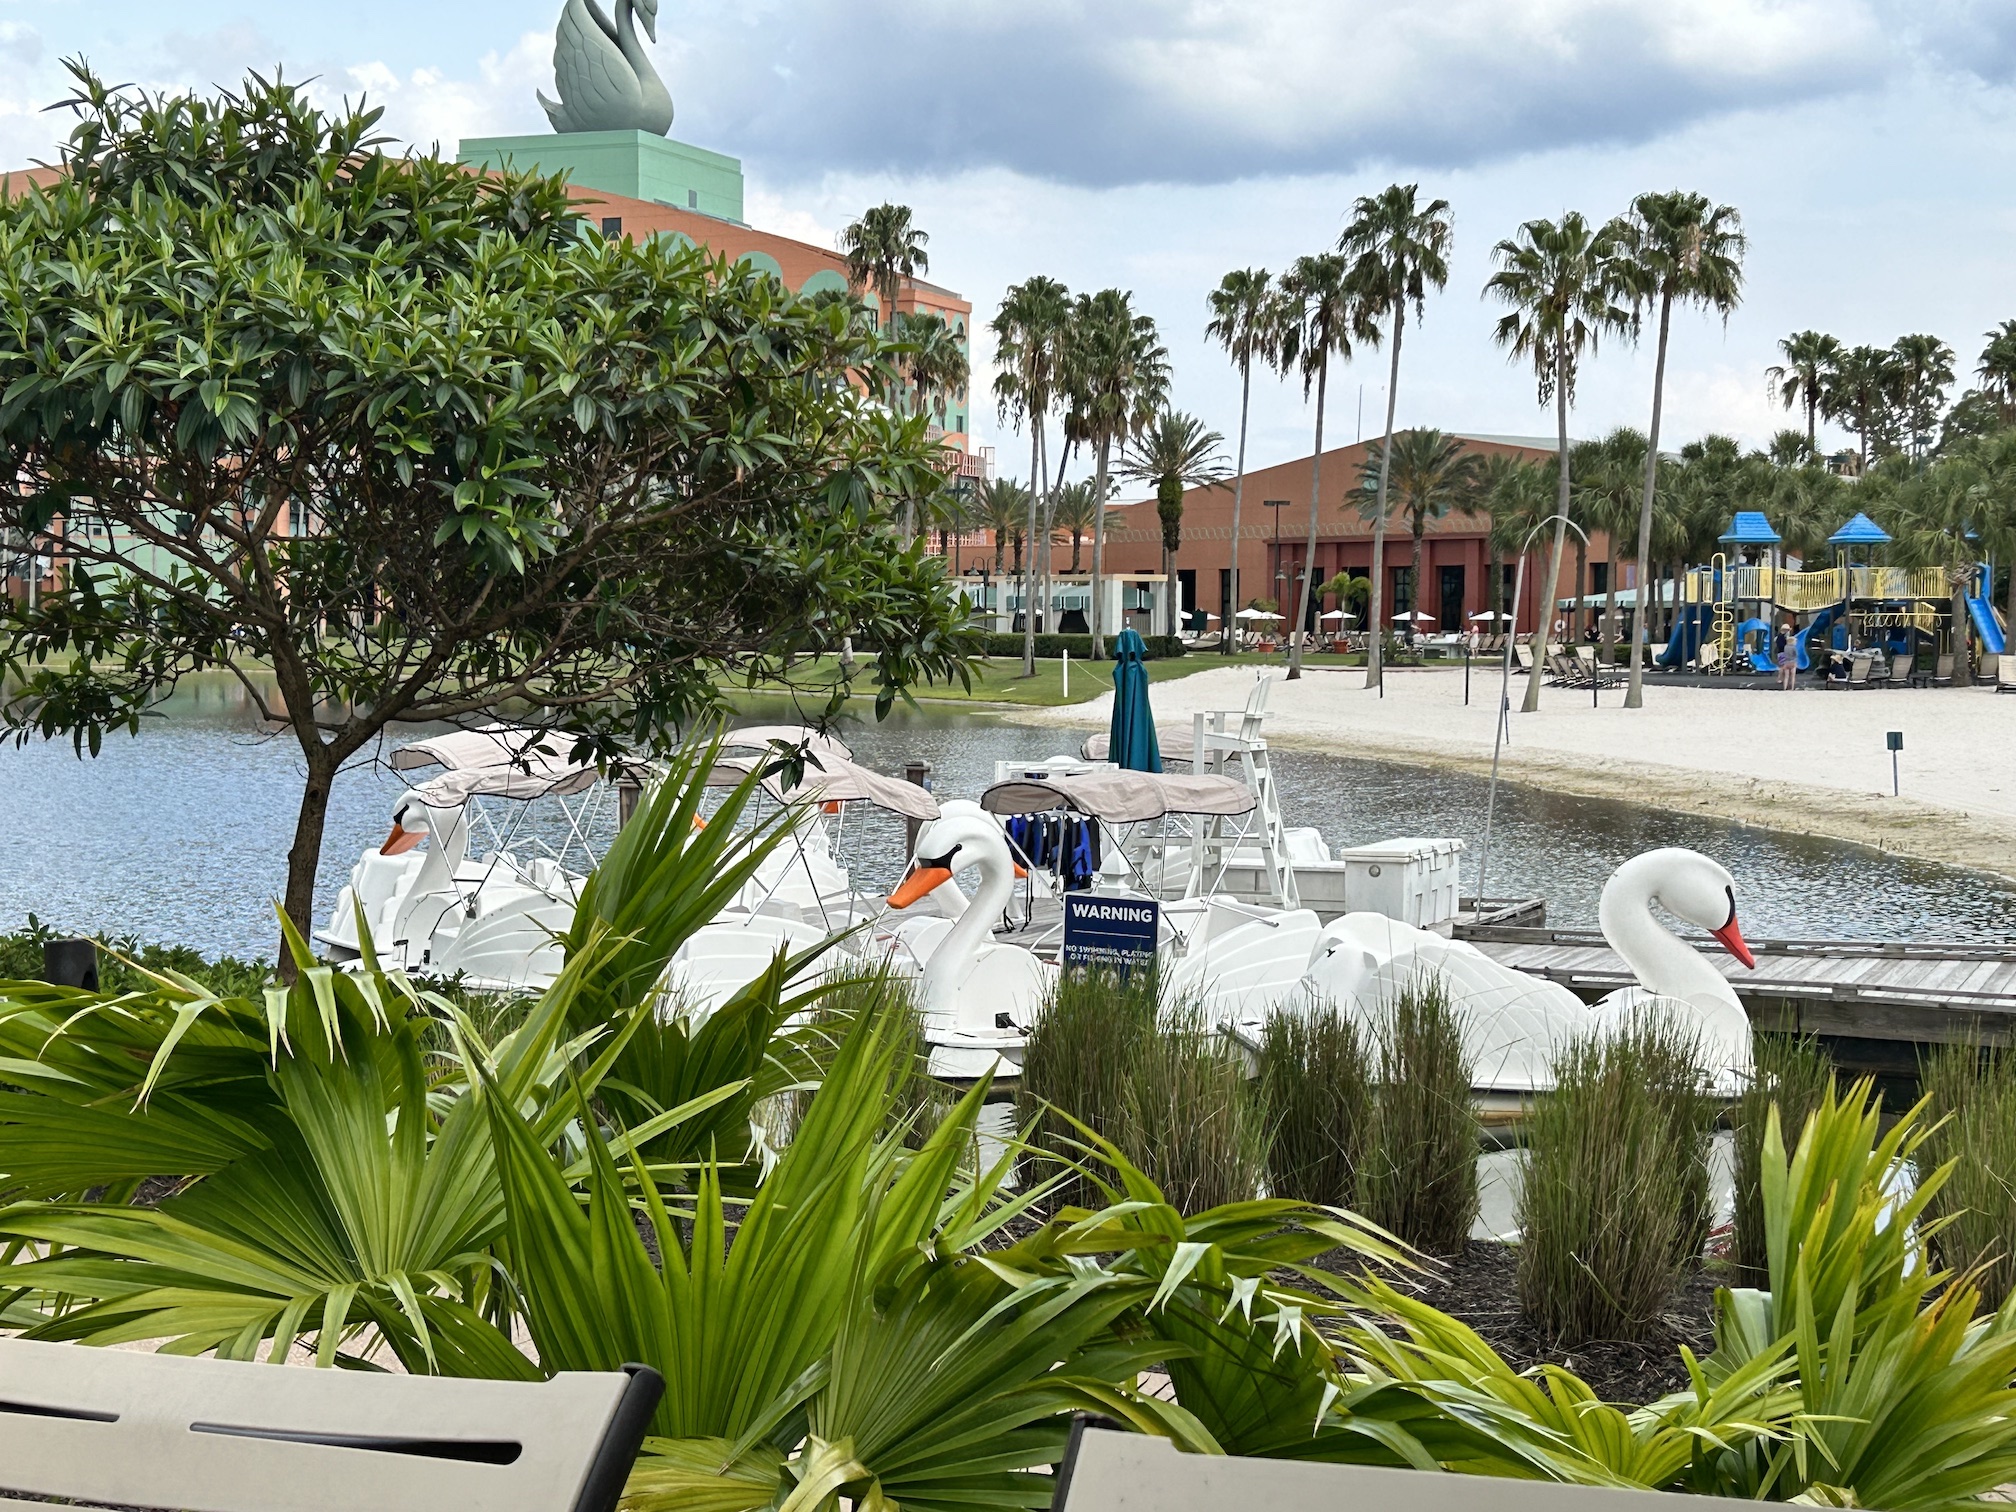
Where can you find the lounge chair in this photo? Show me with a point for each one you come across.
(110, 1426)
(2005, 674)
(1595, 671)
(1708, 658)
(1522, 655)
(1858, 668)
(1105, 1471)
(1900, 671)
(1942, 676)
(1564, 672)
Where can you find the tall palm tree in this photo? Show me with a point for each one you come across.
(1072, 513)
(1924, 369)
(1859, 393)
(1117, 373)
(1608, 489)
(1175, 453)
(1320, 312)
(884, 250)
(1997, 369)
(1428, 477)
(932, 360)
(1029, 334)
(1239, 323)
(1515, 494)
(1561, 280)
(1675, 248)
(1801, 378)
(1399, 248)
(1002, 507)
(1932, 515)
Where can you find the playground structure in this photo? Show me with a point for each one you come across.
(1726, 614)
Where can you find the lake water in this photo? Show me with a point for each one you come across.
(180, 834)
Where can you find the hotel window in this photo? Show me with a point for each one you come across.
(692, 199)
(612, 226)
(1403, 589)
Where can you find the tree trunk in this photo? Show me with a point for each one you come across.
(1029, 580)
(2009, 615)
(1315, 500)
(1574, 635)
(1550, 588)
(1812, 404)
(1169, 594)
(1497, 589)
(304, 856)
(1231, 607)
(1634, 693)
(1374, 662)
(1963, 673)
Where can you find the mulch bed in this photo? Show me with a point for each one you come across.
(1479, 1287)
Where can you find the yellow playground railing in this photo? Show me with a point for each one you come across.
(1803, 591)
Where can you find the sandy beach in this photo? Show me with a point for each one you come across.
(1811, 762)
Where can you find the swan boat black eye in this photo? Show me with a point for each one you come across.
(944, 862)
(1730, 893)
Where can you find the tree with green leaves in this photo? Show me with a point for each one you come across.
(1562, 281)
(1802, 378)
(1116, 371)
(1072, 513)
(1923, 365)
(1319, 312)
(1862, 393)
(1173, 455)
(1934, 515)
(1029, 334)
(1997, 369)
(933, 362)
(397, 442)
(884, 251)
(1428, 477)
(1240, 323)
(1399, 249)
(1609, 485)
(1003, 507)
(1513, 493)
(1673, 248)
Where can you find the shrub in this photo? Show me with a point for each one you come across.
(1615, 1198)
(1316, 1089)
(1050, 647)
(227, 976)
(1079, 1054)
(1187, 1117)
(1792, 1072)
(1418, 1178)
(1972, 1113)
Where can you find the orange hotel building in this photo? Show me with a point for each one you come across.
(1273, 541)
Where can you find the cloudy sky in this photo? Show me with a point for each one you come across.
(1154, 144)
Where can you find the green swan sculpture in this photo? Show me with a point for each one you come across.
(604, 76)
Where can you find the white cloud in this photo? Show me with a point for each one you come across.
(772, 212)
(431, 107)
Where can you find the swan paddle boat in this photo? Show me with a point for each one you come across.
(469, 882)
(1513, 1023)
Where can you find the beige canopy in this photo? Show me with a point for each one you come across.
(834, 780)
(1173, 747)
(495, 760)
(1120, 797)
(762, 737)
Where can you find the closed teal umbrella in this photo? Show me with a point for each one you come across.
(1131, 745)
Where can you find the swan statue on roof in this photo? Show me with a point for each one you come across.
(1513, 1023)
(604, 76)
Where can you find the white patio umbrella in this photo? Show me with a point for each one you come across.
(1257, 614)
(1488, 614)
(1336, 614)
(1416, 615)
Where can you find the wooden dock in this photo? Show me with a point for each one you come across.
(1890, 995)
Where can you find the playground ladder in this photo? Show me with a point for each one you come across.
(1724, 613)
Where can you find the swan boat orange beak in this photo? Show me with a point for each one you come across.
(401, 840)
(1732, 939)
(923, 879)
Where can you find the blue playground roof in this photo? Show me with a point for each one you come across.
(1750, 529)
(1860, 531)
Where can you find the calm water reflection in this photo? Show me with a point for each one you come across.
(181, 833)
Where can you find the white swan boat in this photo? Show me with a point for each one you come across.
(468, 882)
(1515, 1024)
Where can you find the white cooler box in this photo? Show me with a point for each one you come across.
(1410, 879)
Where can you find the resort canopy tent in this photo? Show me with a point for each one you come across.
(1116, 797)
(834, 781)
(519, 764)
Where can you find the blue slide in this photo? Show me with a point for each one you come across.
(1688, 631)
(1987, 623)
(1822, 621)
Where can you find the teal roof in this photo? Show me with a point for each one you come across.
(1750, 529)
(1860, 531)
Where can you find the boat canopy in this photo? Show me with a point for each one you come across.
(762, 737)
(834, 780)
(1120, 797)
(495, 761)
(1174, 747)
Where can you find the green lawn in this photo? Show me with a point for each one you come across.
(999, 680)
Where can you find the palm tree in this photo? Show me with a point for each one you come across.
(1924, 369)
(1072, 512)
(1318, 314)
(1117, 373)
(1515, 494)
(1608, 489)
(1857, 392)
(884, 250)
(1239, 323)
(1428, 476)
(1002, 507)
(1399, 248)
(1173, 454)
(933, 360)
(1029, 333)
(1561, 280)
(1675, 248)
(1997, 369)
(1932, 515)
(1802, 377)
